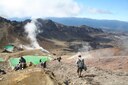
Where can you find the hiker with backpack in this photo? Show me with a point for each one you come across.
(42, 64)
(22, 63)
(58, 59)
(80, 65)
(17, 67)
(2, 71)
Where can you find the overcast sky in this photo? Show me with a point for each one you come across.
(96, 9)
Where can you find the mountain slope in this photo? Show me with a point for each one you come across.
(13, 30)
(63, 32)
(10, 31)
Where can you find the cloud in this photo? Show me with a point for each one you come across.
(39, 8)
(98, 11)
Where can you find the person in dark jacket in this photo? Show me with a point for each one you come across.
(43, 64)
(17, 67)
(80, 65)
(2, 71)
(22, 63)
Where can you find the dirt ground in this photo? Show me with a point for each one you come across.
(104, 67)
(31, 76)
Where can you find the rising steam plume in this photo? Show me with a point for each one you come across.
(32, 29)
(84, 51)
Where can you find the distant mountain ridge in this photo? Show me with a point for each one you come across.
(11, 31)
(103, 24)
(55, 30)
(112, 25)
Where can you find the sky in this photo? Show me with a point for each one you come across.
(95, 9)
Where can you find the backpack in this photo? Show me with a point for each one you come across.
(80, 63)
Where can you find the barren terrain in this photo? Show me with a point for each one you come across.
(105, 67)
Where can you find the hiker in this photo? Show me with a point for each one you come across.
(80, 65)
(30, 64)
(22, 63)
(2, 72)
(58, 59)
(66, 82)
(17, 67)
(43, 64)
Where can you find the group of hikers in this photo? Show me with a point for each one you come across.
(80, 64)
(22, 64)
